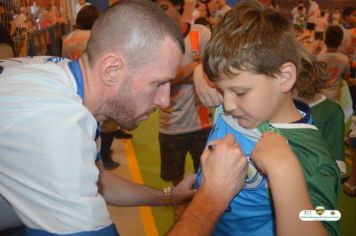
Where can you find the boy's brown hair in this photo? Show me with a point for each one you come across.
(250, 37)
(313, 75)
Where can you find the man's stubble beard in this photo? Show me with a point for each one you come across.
(122, 108)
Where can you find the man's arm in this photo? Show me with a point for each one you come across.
(224, 171)
(120, 192)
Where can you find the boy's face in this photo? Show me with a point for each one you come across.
(202, 10)
(351, 19)
(251, 98)
(171, 10)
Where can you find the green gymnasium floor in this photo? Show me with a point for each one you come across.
(146, 148)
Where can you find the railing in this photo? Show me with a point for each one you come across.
(40, 42)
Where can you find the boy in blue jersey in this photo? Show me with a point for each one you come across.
(253, 59)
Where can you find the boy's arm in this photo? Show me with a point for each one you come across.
(224, 171)
(274, 157)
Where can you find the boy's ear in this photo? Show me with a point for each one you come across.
(287, 77)
(110, 68)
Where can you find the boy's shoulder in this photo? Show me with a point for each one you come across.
(309, 146)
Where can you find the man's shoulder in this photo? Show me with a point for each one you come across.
(34, 67)
(12, 62)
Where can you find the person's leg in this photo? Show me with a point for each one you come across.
(173, 149)
(197, 145)
(105, 150)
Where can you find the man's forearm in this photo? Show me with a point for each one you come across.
(200, 217)
(120, 192)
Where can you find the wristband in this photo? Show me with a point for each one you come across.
(167, 196)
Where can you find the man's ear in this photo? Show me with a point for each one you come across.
(287, 77)
(110, 68)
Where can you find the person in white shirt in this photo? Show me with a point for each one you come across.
(321, 25)
(313, 14)
(221, 9)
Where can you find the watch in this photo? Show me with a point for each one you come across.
(167, 196)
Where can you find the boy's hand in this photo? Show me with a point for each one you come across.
(270, 151)
(224, 169)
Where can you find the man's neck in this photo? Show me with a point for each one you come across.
(91, 101)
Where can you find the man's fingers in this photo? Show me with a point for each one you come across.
(229, 139)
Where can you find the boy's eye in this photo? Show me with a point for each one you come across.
(240, 93)
(164, 7)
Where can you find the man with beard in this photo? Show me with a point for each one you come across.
(50, 174)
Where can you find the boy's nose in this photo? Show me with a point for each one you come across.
(229, 104)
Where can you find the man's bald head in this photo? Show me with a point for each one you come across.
(133, 28)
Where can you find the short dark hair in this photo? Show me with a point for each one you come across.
(333, 36)
(202, 21)
(179, 3)
(134, 28)
(348, 11)
(86, 17)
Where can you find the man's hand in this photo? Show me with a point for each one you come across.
(224, 169)
(206, 91)
(184, 191)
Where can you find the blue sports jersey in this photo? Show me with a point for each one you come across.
(250, 212)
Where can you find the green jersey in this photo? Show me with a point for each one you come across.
(328, 117)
